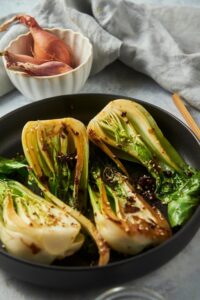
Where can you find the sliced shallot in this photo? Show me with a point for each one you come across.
(46, 69)
(12, 58)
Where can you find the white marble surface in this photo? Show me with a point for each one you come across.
(179, 279)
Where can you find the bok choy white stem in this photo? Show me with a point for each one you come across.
(33, 228)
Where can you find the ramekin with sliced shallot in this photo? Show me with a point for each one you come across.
(40, 86)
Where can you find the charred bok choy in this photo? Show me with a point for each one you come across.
(124, 219)
(58, 152)
(30, 226)
(124, 129)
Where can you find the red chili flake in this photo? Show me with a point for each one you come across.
(123, 114)
(76, 180)
(75, 132)
(131, 199)
(43, 178)
(131, 209)
(64, 129)
(35, 249)
(45, 147)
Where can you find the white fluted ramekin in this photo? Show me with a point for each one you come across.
(36, 88)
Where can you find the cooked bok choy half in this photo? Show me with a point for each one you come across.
(124, 129)
(33, 228)
(124, 219)
(58, 152)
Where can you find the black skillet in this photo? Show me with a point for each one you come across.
(84, 107)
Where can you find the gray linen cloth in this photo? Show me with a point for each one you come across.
(162, 42)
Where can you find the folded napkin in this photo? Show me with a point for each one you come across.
(162, 42)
